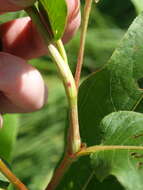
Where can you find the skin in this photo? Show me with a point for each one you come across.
(21, 86)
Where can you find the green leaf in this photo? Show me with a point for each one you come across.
(121, 128)
(56, 15)
(113, 88)
(8, 136)
(138, 5)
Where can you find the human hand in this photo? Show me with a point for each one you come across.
(21, 86)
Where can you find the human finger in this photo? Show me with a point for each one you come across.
(20, 37)
(22, 88)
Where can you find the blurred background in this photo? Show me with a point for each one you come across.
(40, 135)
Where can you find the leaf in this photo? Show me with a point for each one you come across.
(121, 128)
(113, 88)
(56, 13)
(138, 5)
(8, 136)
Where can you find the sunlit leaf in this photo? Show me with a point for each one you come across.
(54, 13)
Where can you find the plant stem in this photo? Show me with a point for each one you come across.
(57, 52)
(74, 142)
(94, 149)
(59, 172)
(66, 76)
(61, 50)
(86, 14)
(11, 177)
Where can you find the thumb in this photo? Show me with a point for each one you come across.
(22, 3)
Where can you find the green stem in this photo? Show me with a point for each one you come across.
(94, 149)
(11, 177)
(86, 14)
(61, 49)
(74, 142)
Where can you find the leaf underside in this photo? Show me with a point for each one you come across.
(121, 128)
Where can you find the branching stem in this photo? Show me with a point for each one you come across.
(86, 14)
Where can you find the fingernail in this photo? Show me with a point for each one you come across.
(1, 121)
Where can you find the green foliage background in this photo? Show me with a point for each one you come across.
(40, 138)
